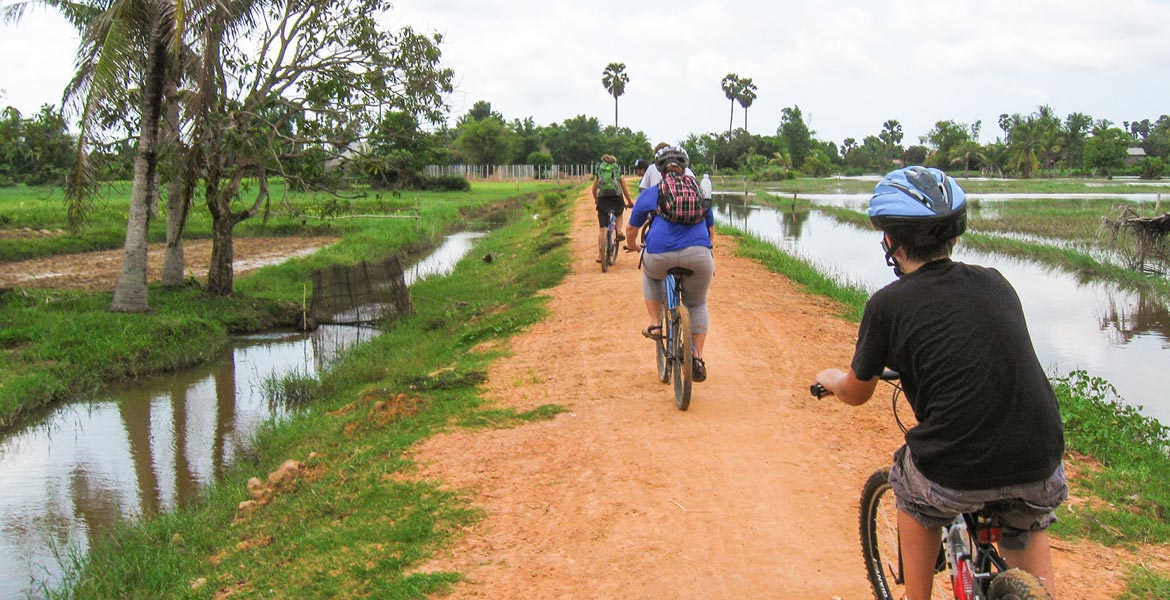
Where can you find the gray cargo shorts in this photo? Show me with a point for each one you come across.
(1020, 509)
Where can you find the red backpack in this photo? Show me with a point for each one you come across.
(679, 199)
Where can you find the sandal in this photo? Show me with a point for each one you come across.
(699, 373)
(650, 332)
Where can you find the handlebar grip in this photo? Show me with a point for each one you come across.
(819, 390)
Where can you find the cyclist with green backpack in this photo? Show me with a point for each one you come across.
(609, 193)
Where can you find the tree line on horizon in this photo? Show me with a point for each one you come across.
(336, 100)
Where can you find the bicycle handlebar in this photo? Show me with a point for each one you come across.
(821, 391)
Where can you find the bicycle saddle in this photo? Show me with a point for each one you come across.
(680, 271)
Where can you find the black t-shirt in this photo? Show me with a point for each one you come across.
(987, 416)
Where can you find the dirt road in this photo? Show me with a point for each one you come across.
(752, 493)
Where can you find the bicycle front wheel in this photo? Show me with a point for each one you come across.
(1018, 585)
(878, 526)
(683, 353)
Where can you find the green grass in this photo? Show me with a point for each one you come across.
(1134, 456)
(292, 213)
(357, 521)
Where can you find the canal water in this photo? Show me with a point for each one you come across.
(154, 444)
(1076, 324)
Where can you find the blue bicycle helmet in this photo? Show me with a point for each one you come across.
(919, 206)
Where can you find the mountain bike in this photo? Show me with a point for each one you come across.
(968, 567)
(611, 243)
(674, 348)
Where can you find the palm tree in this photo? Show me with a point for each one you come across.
(1026, 143)
(994, 156)
(114, 35)
(891, 137)
(746, 96)
(731, 91)
(614, 79)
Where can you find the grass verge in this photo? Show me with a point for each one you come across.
(351, 520)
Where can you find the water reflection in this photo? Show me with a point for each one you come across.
(1076, 323)
(1125, 322)
(154, 444)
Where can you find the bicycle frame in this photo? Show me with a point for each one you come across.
(968, 543)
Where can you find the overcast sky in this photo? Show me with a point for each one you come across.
(848, 65)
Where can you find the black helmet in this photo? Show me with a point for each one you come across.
(669, 155)
(642, 164)
(919, 206)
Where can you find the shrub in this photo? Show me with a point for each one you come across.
(446, 183)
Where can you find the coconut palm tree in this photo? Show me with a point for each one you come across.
(614, 79)
(746, 96)
(1026, 142)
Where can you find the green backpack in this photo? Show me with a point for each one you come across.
(607, 177)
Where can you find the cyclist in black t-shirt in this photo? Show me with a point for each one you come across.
(989, 432)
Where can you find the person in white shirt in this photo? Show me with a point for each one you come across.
(652, 177)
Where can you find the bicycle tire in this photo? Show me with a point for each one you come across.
(878, 526)
(613, 248)
(660, 346)
(684, 359)
(1015, 584)
(607, 260)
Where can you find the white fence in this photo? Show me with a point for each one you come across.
(513, 172)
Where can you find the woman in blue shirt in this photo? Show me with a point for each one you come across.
(668, 245)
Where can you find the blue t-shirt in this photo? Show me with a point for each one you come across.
(665, 236)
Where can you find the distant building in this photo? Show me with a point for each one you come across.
(1133, 155)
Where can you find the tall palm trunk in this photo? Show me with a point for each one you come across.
(178, 198)
(731, 120)
(130, 293)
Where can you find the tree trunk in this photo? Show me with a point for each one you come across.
(220, 277)
(130, 293)
(178, 199)
(731, 120)
(174, 265)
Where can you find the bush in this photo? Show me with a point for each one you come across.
(446, 183)
(773, 173)
(1152, 167)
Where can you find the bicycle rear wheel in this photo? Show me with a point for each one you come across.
(683, 353)
(1015, 584)
(661, 353)
(878, 525)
